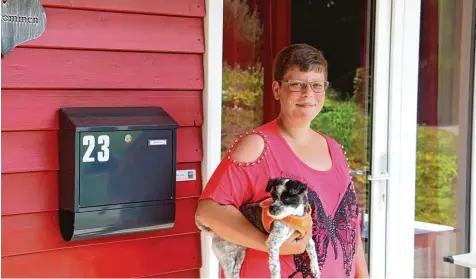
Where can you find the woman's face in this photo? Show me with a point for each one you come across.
(300, 103)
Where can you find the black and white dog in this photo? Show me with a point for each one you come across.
(285, 212)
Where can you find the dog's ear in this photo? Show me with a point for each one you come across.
(273, 182)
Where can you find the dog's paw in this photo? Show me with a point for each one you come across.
(316, 273)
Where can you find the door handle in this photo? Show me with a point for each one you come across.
(382, 176)
(357, 172)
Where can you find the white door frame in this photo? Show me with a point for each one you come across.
(403, 92)
(379, 157)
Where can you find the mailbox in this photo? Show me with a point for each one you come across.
(117, 171)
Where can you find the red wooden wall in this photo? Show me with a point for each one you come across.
(99, 53)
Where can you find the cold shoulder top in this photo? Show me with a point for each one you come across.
(335, 212)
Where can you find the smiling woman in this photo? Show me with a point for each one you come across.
(287, 147)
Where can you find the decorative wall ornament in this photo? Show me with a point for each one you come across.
(22, 21)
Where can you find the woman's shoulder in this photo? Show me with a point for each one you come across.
(250, 146)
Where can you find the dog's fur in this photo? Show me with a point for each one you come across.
(289, 198)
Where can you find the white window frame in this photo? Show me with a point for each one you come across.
(212, 102)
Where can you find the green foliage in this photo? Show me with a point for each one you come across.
(242, 101)
(336, 120)
(436, 172)
(242, 88)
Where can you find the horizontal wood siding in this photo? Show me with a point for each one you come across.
(99, 53)
(114, 259)
(186, 8)
(120, 31)
(29, 68)
(46, 103)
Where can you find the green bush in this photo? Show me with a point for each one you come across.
(436, 173)
(242, 88)
(242, 102)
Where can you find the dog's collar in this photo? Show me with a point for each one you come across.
(300, 223)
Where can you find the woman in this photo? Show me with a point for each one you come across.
(288, 147)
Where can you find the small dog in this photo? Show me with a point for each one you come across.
(287, 211)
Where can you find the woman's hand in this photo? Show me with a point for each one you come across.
(295, 245)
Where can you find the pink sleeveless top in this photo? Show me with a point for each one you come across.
(333, 201)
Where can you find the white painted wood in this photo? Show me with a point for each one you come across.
(404, 57)
(378, 201)
(211, 130)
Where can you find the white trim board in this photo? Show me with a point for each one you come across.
(379, 156)
(403, 92)
(211, 130)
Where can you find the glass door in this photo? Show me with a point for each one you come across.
(356, 108)
(444, 121)
(431, 112)
(354, 37)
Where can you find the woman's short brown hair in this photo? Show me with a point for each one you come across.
(303, 56)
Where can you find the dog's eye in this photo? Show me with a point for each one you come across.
(274, 196)
(289, 200)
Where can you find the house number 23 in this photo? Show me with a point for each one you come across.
(90, 142)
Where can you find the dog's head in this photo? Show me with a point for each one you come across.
(289, 197)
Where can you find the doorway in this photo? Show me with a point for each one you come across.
(344, 31)
(255, 30)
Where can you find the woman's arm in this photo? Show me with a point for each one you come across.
(228, 222)
(361, 265)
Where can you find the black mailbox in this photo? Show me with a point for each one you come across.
(117, 171)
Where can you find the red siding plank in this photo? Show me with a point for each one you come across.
(195, 8)
(31, 192)
(17, 114)
(193, 273)
(38, 150)
(118, 31)
(80, 69)
(135, 258)
(38, 232)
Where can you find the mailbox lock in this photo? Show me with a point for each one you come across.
(128, 138)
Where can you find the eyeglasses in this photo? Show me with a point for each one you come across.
(299, 86)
